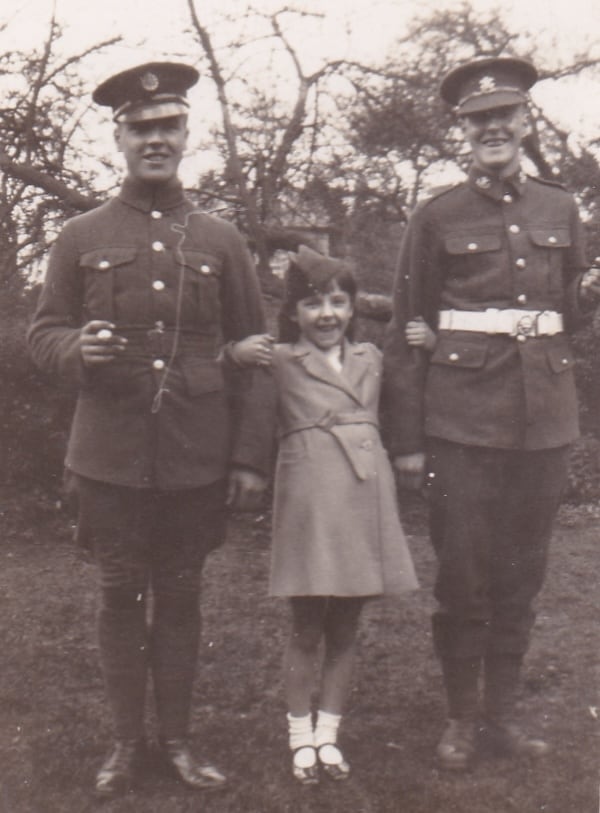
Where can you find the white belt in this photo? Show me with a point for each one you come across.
(511, 321)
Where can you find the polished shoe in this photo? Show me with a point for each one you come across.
(118, 773)
(184, 766)
(509, 739)
(456, 748)
(304, 765)
(332, 762)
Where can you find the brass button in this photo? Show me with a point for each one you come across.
(472, 246)
(507, 198)
(158, 364)
(205, 269)
(514, 229)
(552, 239)
(103, 264)
(565, 361)
(158, 246)
(521, 263)
(155, 214)
(453, 357)
(521, 299)
(158, 285)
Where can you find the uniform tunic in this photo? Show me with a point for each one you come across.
(484, 244)
(335, 525)
(148, 262)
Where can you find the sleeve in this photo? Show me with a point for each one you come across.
(577, 310)
(252, 388)
(415, 292)
(53, 336)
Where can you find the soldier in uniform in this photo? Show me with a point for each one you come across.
(141, 295)
(496, 265)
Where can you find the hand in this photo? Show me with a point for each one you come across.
(590, 282)
(257, 349)
(98, 344)
(245, 489)
(419, 334)
(411, 470)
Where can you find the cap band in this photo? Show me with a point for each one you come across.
(161, 106)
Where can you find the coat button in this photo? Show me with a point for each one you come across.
(472, 246)
(158, 364)
(155, 214)
(552, 239)
(521, 299)
(564, 361)
(158, 285)
(205, 269)
(367, 445)
(453, 357)
(521, 263)
(507, 198)
(103, 264)
(521, 338)
(158, 246)
(514, 229)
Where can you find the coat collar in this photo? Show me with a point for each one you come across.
(316, 365)
(494, 187)
(147, 197)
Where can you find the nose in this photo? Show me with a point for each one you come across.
(326, 308)
(155, 135)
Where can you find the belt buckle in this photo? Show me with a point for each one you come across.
(526, 325)
(155, 337)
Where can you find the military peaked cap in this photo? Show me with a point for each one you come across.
(488, 82)
(156, 90)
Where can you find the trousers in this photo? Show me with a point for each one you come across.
(150, 547)
(491, 513)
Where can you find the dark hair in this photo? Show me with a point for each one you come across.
(298, 286)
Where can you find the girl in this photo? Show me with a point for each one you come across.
(337, 539)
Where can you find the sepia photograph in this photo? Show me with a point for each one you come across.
(300, 406)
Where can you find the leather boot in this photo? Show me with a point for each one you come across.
(457, 746)
(119, 771)
(503, 734)
(181, 762)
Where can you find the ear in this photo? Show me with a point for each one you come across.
(527, 126)
(117, 137)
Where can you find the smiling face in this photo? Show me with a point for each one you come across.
(153, 149)
(323, 318)
(495, 137)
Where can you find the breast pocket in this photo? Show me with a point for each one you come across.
(206, 278)
(99, 267)
(550, 243)
(451, 351)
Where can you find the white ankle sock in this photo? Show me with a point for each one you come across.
(300, 731)
(326, 728)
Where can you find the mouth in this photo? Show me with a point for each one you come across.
(494, 142)
(155, 157)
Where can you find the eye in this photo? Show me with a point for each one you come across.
(339, 300)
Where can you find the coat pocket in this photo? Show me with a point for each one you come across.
(202, 376)
(99, 266)
(560, 359)
(457, 352)
(206, 268)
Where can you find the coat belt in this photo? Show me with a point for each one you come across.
(334, 422)
(508, 321)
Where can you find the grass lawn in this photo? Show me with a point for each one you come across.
(54, 728)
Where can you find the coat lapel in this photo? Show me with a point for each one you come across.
(348, 380)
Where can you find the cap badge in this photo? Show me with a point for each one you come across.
(487, 83)
(483, 182)
(149, 81)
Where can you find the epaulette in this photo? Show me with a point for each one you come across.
(547, 182)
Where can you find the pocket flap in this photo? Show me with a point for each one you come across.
(560, 359)
(460, 353)
(202, 375)
(201, 261)
(551, 238)
(103, 259)
(472, 243)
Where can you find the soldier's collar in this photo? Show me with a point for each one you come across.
(494, 187)
(147, 197)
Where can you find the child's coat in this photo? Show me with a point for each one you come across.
(335, 522)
